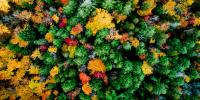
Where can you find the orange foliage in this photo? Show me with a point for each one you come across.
(84, 78)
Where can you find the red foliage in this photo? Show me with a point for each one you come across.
(64, 2)
(71, 42)
(63, 23)
(99, 75)
(124, 37)
(142, 57)
(77, 29)
(43, 48)
(191, 20)
(146, 18)
(84, 78)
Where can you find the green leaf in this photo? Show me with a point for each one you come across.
(44, 70)
(127, 46)
(96, 84)
(85, 8)
(108, 4)
(111, 95)
(126, 81)
(57, 43)
(40, 42)
(164, 61)
(137, 67)
(127, 8)
(42, 29)
(102, 33)
(62, 96)
(128, 67)
(115, 43)
(68, 85)
(27, 34)
(69, 9)
(160, 88)
(51, 86)
(108, 66)
(83, 96)
(88, 33)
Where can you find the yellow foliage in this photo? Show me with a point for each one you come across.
(94, 97)
(64, 48)
(158, 54)
(33, 70)
(135, 2)
(24, 92)
(37, 87)
(1, 64)
(21, 2)
(146, 68)
(169, 7)
(54, 71)
(37, 18)
(50, 80)
(152, 40)
(49, 37)
(152, 4)
(14, 81)
(71, 50)
(187, 2)
(4, 30)
(33, 84)
(52, 49)
(102, 20)
(187, 79)
(55, 18)
(16, 40)
(5, 75)
(87, 89)
(20, 74)
(198, 42)
(135, 42)
(55, 92)
(119, 17)
(40, 89)
(23, 43)
(183, 22)
(15, 74)
(182, 7)
(36, 54)
(4, 6)
(13, 64)
(162, 54)
(25, 62)
(190, 2)
(5, 93)
(197, 22)
(6, 54)
(37, 78)
(96, 65)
